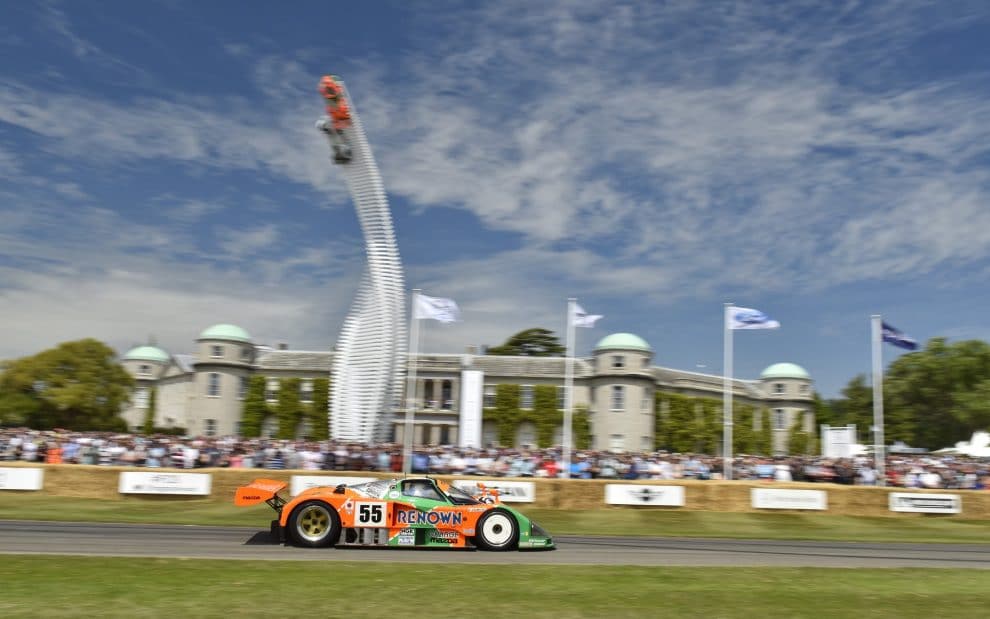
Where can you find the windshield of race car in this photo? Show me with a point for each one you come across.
(459, 497)
(374, 489)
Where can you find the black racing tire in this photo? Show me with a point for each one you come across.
(314, 524)
(497, 530)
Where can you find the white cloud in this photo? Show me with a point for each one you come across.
(660, 152)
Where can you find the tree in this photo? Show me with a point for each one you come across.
(931, 395)
(546, 414)
(289, 408)
(530, 343)
(149, 415)
(76, 385)
(856, 407)
(255, 408)
(581, 427)
(318, 411)
(506, 413)
(799, 441)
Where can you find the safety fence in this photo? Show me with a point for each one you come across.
(126, 483)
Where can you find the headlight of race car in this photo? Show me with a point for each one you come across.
(538, 530)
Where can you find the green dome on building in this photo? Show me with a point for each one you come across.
(147, 353)
(623, 341)
(785, 370)
(225, 332)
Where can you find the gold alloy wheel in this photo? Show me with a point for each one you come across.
(313, 522)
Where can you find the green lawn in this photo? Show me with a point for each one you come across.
(632, 521)
(101, 587)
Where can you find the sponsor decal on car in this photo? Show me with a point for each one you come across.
(448, 537)
(412, 516)
(406, 537)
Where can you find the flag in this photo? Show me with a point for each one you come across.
(897, 338)
(436, 308)
(582, 318)
(747, 318)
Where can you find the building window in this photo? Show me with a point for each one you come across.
(646, 362)
(778, 388)
(646, 405)
(243, 387)
(446, 395)
(271, 390)
(144, 370)
(306, 391)
(616, 442)
(245, 354)
(526, 397)
(803, 388)
(779, 419)
(561, 398)
(216, 351)
(211, 427)
(213, 385)
(489, 396)
(141, 397)
(237, 428)
(618, 397)
(618, 361)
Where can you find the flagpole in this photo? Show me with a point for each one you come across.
(727, 394)
(407, 435)
(568, 389)
(879, 451)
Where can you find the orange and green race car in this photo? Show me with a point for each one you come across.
(415, 512)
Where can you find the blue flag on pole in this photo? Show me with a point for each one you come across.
(898, 338)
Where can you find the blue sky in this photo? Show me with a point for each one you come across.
(819, 161)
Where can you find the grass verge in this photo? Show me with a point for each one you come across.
(621, 522)
(91, 586)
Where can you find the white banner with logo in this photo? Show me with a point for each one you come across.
(304, 482)
(469, 433)
(631, 494)
(770, 498)
(508, 491)
(165, 483)
(21, 479)
(925, 503)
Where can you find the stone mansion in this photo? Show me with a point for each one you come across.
(203, 391)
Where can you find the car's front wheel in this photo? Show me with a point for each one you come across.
(497, 530)
(314, 524)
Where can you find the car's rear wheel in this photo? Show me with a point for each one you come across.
(314, 524)
(497, 530)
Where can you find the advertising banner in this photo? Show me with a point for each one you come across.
(165, 483)
(629, 494)
(769, 498)
(508, 491)
(925, 503)
(469, 434)
(21, 479)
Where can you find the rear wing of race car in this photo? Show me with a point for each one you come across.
(261, 490)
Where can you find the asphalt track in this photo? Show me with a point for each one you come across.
(134, 540)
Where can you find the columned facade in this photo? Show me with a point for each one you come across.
(616, 385)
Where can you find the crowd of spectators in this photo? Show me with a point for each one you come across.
(159, 451)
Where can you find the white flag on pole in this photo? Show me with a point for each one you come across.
(748, 318)
(436, 308)
(582, 318)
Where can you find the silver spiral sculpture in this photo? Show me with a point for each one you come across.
(366, 376)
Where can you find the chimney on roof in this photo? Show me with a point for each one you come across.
(283, 346)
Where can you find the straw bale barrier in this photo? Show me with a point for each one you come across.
(101, 482)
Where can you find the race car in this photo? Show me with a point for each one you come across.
(417, 512)
(337, 119)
